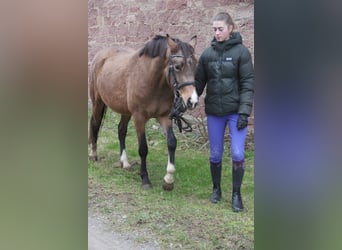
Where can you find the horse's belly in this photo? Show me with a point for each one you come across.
(114, 96)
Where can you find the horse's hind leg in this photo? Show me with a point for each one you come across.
(122, 132)
(98, 111)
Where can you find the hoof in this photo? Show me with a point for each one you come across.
(146, 186)
(93, 157)
(125, 165)
(167, 186)
(127, 168)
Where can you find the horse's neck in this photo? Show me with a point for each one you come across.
(148, 83)
(156, 64)
(155, 72)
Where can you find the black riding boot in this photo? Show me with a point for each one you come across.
(215, 169)
(238, 171)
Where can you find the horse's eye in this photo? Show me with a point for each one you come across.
(178, 67)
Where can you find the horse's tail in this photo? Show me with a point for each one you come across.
(96, 125)
(98, 106)
(103, 114)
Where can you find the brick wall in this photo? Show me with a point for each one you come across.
(132, 23)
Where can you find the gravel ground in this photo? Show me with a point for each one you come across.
(101, 237)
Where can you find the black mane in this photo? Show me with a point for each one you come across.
(158, 46)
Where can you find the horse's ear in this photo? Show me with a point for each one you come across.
(193, 41)
(171, 43)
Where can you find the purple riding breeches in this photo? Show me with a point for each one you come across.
(216, 129)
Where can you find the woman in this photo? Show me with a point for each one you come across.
(226, 69)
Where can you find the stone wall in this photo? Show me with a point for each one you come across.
(132, 23)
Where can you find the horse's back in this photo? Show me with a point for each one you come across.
(111, 54)
(113, 51)
(109, 71)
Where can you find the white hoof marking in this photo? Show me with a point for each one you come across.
(124, 160)
(170, 169)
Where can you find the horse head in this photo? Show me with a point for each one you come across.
(181, 73)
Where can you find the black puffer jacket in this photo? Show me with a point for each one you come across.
(226, 69)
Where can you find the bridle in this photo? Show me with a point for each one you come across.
(178, 107)
(177, 86)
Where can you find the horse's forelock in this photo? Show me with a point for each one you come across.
(186, 48)
(156, 47)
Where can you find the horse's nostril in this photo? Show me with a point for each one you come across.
(191, 104)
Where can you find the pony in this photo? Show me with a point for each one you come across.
(155, 81)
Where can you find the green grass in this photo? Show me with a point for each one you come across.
(183, 218)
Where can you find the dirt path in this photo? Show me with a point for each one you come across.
(102, 237)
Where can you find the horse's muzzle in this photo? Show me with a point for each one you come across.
(191, 104)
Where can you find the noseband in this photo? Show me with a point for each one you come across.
(178, 107)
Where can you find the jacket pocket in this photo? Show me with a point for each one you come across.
(228, 69)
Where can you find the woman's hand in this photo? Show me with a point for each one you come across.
(242, 121)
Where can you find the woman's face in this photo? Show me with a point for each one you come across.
(221, 30)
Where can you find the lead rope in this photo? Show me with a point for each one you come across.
(178, 108)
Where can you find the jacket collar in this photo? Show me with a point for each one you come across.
(235, 38)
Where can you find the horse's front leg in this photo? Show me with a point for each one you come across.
(140, 126)
(168, 180)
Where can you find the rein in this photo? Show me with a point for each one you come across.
(178, 107)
